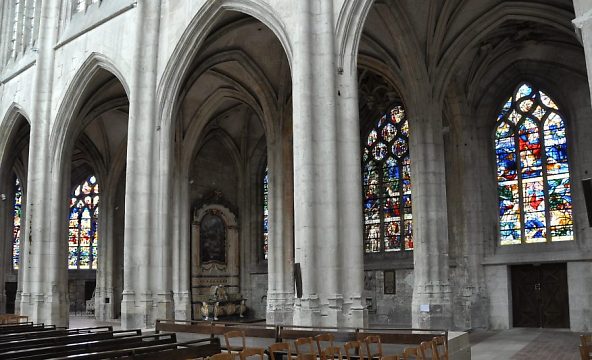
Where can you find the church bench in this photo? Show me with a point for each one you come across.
(286, 332)
(24, 327)
(67, 339)
(201, 348)
(13, 319)
(50, 333)
(91, 346)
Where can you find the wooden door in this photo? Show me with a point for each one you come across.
(539, 296)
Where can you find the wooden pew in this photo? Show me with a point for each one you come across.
(177, 351)
(50, 333)
(63, 340)
(92, 346)
(13, 319)
(24, 327)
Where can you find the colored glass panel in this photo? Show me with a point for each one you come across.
(16, 225)
(265, 214)
(387, 185)
(534, 191)
(82, 225)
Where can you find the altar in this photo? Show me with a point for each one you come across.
(219, 304)
(215, 274)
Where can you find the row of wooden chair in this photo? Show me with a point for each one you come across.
(369, 347)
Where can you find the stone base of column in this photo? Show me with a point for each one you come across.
(280, 308)
(104, 310)
(182, 301)
(56, 308)
(355, 313)
(332, 311)
(431, 306)
(137, 311)
(307, 311)
(164, 307)
(51, 309)
(17, 302)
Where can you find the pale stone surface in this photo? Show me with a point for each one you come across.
(169, 101)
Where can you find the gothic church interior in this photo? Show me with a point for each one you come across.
(422, 163)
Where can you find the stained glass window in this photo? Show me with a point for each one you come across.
(534, 188)
(386, 176)
(265, 213)
(16, 228)
(82, 233)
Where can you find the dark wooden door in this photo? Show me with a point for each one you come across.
(539, 296)
(10, 288)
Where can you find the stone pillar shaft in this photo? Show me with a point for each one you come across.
(44, 288)
(431, 293)
(143, 256)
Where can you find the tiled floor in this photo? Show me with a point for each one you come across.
(514, 344)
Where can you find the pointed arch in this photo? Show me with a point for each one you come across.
(492, 19)
(191, 42)
(9, 126)
(63, 126)
(534, 187)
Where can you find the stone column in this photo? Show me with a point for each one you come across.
(44, 290)
(583, 24)
(315, 164)
(350, 199)
(280, 293)
(431, 292)
(140, 249)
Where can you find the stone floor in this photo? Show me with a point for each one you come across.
(525, 344)
(514, 344)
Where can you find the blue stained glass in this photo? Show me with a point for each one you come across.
(523, 90)
(83, 230)
(387, 184)
(16, 224)
(266, 214)
(523, 195)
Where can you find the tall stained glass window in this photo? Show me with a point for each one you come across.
(82, 234)
(16, 228)
(534, 189)
(265, 213)
(388, 224)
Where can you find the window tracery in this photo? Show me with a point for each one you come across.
(16, 225)
(388, 222)
(265, 214)
(534, 188)
(82, 233)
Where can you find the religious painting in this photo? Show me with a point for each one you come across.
(212, 235)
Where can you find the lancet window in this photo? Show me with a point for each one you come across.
(533, 183)
(82, 234)
(386, 176)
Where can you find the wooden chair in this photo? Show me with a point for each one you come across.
(234, 334)
(221, 356)
(353, 348)
(586, 340)
(411, 354)
(248, 352)
(586, 352)
(321, 338)
(440, 348)
(373, 339)
(305, 348)
(332, 353)
(280, 347)
(425, 348)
